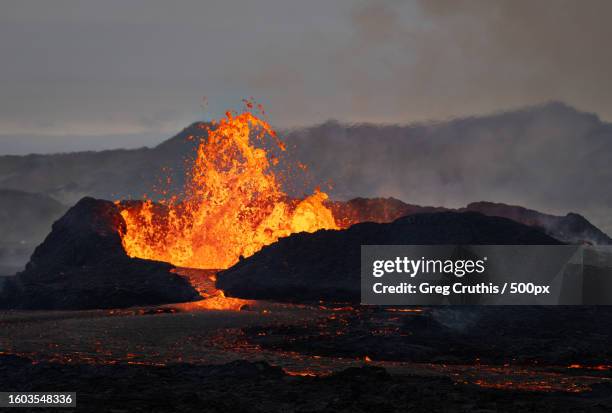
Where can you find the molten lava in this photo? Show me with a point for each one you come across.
(232, 204)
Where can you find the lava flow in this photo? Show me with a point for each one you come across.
(232, 204)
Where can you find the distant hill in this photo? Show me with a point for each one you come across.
(25, 220)
(112, 174)
(380, 210)
(571, 228)
(550, 157)
(25, 216)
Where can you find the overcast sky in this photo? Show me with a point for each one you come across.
(96, 74)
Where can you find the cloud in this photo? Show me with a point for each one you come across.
(446, 58)
(144, 66)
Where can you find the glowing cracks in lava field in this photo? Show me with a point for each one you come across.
(232, 204)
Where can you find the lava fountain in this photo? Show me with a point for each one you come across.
(232, 203)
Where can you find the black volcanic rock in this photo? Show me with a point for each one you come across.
(82, 264)
(243, 386)
(325, 265)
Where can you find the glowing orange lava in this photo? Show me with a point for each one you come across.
(232, 204)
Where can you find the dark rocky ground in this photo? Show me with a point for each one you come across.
(435, 359)
(557, 336)
(258, 387)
